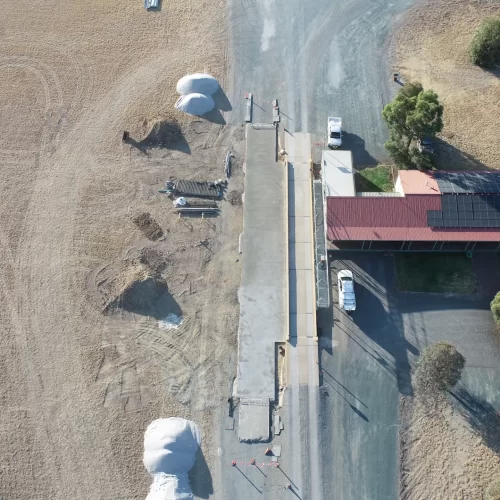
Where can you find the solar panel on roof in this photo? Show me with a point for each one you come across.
(469, 182)
(465, 209)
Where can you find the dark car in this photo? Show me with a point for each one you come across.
(426, 145)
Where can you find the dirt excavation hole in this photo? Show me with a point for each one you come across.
(149, 227)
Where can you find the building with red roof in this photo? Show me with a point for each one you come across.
(427, 211)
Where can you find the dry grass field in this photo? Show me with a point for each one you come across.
(431, 46)
(78, 383)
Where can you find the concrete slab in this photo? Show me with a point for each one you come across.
(301, 256)
(299, 229)
(299, 194)
(297, 172)
(263, 294)
(253, 424)
(302, 325)
(302, 291)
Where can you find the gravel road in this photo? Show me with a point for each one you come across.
(318, 58)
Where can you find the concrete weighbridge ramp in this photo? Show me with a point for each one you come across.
(263, 294)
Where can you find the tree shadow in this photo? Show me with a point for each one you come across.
(167, 135)
(448, 156)
(200, 477)
(493, 71)
(481, 416)
(221, 100)
(355, 144)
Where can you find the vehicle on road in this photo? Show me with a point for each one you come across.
(334, 132)
(426, 145)
(347, 298)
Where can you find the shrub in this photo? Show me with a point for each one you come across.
(439, 368)
(484, 49)
(493, 490)
(495, 308)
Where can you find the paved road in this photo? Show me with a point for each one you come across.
(319, 58)
(366, 360)
(364, 363)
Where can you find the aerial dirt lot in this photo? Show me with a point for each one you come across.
(96, 268)
(430, 45)
(441, 457)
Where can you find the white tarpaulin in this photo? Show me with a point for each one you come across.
(195, 104)
(151, 4)
(197, 83)
(170, 446)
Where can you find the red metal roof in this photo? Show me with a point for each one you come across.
(393, 219)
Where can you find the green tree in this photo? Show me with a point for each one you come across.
(439, 368)
(495, 308)
(413, 114)
(484, 49)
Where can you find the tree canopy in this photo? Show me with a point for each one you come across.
(484, 49)
(495, 308)
(439, 368)
(414, 114)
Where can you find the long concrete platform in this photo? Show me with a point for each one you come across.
(264, 292)
(302, 395)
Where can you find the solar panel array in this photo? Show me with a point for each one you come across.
(466, 211)
(470, 182)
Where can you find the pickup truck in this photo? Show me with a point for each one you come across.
(347, 298)
(334, 132)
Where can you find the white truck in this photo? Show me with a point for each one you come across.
(347, 299)
(334, 132)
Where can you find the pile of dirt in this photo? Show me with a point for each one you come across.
(431, 45)
(150, 228)
(136, 289)
(441, 456)
(163, 134)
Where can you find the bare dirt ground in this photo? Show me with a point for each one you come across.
(80, 382)
(430, 45)
(441, 456)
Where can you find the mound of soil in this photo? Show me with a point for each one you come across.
(147, 297)
(136, 290)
